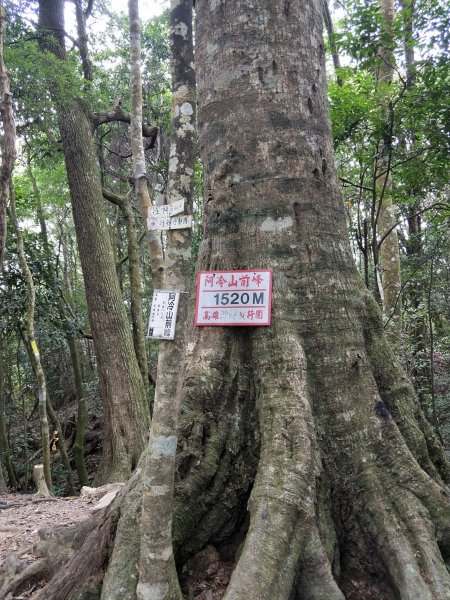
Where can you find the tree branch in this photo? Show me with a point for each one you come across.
(118, 114)
(356, 185)
(114, 198)
(436, 205)
(124, 259)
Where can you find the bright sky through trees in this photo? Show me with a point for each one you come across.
(147, 10)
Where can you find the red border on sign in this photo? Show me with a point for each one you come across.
(269, 317)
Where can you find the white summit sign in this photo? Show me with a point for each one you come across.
(234, 298)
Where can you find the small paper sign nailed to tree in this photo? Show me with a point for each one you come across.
(161, 223)
(234, 298)
(163, 314)
(166, 210)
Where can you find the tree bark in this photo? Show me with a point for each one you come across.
(32, 348)
(78, 447)
(389, 253)
(310, 423)
(8, 140)
(135, 279)
(157, 564)
(321, 410)
(53, 415)
(4, 442)
(137, 144)
(122, 389)
(39, 480)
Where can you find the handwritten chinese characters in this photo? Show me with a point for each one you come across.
(160, 223)
(234, 298)
(163, 314)
(166, 210)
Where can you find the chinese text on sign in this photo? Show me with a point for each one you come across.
(234, 298)
(163, 314)
(160, 223)
(166, 210)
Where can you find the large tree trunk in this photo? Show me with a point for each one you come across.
(122, 390)
(309, 425)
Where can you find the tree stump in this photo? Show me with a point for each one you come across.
(39, 480)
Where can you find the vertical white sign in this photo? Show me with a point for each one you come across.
(163, 314)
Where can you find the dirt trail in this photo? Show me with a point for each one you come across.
(21, 517)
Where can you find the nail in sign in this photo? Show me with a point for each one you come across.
(234, 298)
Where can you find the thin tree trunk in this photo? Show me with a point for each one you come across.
(122, 389)
(4, 442)
(137, 145)
(78, 447)
(134, 271)
(389, 254)
(32, 348)
(50, 410)
(332, 41)
(71, 342)
(83, 40)
(8, 140)
(157, 565)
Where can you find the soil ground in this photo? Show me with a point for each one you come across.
(21, 517)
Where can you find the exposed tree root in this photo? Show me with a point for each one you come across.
(315, 579)
(219, 443)
(339, 506)
(399, 396)
(285, 480)
(16, 578)
(122, 570)
(81, 576)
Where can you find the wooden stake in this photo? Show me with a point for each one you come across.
(39, 480)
